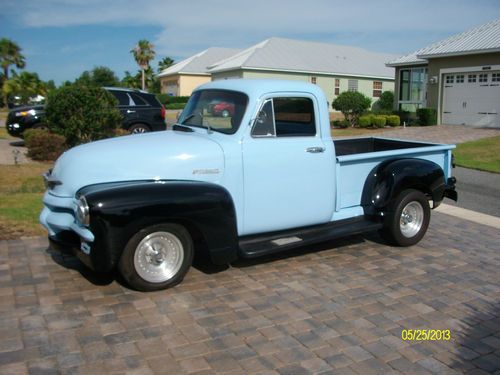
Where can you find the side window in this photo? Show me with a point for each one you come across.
(294, 117)
(264, 124)
(123, 98)
(137, 99)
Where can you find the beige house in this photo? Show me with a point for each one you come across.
(333, 67)
(458, 76)
(182, 78)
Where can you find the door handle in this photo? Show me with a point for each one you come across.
(315, 150)
(129, 111)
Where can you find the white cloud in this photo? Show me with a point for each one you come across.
(192, 25)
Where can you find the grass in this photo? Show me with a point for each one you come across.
(482, 154)
(3, 133)
(21, 192)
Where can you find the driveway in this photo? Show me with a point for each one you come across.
(335, 308)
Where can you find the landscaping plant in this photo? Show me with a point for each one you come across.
(352, 104)
(82, 114)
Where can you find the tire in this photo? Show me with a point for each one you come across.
(145, 270)
(407, 219)
(225, 113)
(139, 129)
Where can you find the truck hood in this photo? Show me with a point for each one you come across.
(154, 156)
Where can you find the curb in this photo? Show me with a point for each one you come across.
(470, 215)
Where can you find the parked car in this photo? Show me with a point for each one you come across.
(141, 112)
(268, 179)
(223, 109)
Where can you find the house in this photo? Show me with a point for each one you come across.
(182, 78)
(458, 76)
(334, 68)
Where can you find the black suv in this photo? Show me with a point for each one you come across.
(141, 112)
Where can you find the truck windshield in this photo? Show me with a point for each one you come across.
(218, 110)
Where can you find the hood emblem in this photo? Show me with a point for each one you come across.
(206, 171)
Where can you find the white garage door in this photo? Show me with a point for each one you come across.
(472, 99)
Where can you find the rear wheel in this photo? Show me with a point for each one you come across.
(139, 129)
(225, 113)
(408, 219)
(157, 257)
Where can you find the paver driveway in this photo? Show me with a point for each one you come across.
(337, 310)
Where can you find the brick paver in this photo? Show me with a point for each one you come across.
(337, 308)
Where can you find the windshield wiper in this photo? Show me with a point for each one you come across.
(182, 128)
(187, 119)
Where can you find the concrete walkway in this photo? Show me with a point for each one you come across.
(440, 134)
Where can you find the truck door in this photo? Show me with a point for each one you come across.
(288, 169)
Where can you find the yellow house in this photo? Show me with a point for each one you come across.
(182, 78)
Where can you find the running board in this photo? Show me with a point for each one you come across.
(257, 245)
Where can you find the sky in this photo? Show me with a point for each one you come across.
(62, 38)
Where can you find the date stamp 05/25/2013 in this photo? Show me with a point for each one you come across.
(426, 335)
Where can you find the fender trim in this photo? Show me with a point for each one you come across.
(119, 210)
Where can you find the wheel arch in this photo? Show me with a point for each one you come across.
(388, 179)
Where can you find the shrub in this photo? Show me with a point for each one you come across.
(82, 113)
(427, 116)
(175, 106)
(118, 132)
(43, 145)
(378, 121)
(393, 120)
(386, 101)
(167, 99)
(365, 121)
(352, 105)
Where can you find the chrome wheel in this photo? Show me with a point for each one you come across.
(411, 220)
(158, 257)
(139, 130)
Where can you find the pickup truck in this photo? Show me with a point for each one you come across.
(267, 178)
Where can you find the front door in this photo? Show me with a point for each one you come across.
(288, 169)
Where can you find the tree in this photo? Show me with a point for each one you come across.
(100, 76)
(143, 53)
(386, 101)
(25, 85)
(165, 63)
(133, 82)
(82, 113)
(10, 54)
(352, 104)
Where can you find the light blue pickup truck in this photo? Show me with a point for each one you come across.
(262, 177)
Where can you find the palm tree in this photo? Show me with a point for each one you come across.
(165, 63)
(143, 53)
(10, 54)
(26, 85)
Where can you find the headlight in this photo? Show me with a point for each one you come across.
(82, 211)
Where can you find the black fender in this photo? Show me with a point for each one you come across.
(119, 210)
(388, 179)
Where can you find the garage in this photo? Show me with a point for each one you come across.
(472, 98)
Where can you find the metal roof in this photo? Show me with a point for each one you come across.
(279, 54)
(481, 39)
(198, 63)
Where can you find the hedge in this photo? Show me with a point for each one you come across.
(427, 116)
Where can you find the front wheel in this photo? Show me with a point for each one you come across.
(157, 257)
(407, 219)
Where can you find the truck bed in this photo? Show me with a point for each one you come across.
(365, 145)
(357, 158)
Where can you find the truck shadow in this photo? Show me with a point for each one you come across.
(73, 263)
(203, 263)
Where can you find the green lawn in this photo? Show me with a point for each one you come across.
(21, 192)
(483, 154)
